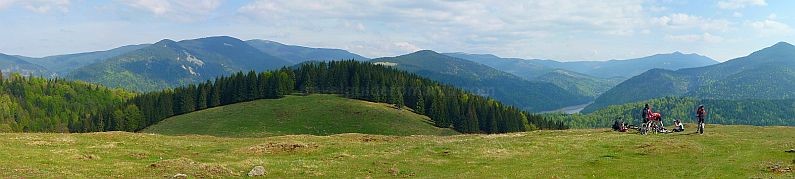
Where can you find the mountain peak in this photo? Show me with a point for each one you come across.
(425, 52)
(783, 45)
(778, 48)
(165, 41)
(225, 38)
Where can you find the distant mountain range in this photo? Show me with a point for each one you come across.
(168, 63)
(532, 68)
(10, 63)
(63, 64)
(471, 76)
(589, 78)
(765, 74)
(579, 83)
(298, 54)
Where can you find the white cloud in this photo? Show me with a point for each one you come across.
(771, 27)
(685, 21)
(737, 14)
(433, 22)
(738, 4)
(180, 10)
(405, 46)
(38, 6)
(705, 37)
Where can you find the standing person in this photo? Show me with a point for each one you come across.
(645, 114)
(700, 114)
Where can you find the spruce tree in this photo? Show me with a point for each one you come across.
(201, 99)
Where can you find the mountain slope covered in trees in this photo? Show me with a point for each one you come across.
(580, 84)
(169, 64)
(9, 64)
(298, 54)
(481, 79)
(764, 74)
(63, 64)
(33, 104)
(317, 114)
(532, 68)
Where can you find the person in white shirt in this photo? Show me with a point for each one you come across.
(678, 126)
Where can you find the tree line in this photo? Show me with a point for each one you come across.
(448, 107)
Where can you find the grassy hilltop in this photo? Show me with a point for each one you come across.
(314, 115)
(723, 152)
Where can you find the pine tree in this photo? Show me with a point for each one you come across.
(307, 84)
(201, 99)
(214, 95)
(471, 124)
(396, 97)
(420, 107)
(252, 89)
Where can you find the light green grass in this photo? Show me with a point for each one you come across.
(314, 115)
(723, 152)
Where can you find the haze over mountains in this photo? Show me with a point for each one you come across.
(10, 63)
(478, 78)
(764, 74)
(589, 78)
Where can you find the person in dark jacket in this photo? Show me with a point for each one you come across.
(700, 114)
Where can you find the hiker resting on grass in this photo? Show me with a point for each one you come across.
(678, 126)
(622, 127)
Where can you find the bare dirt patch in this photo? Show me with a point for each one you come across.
(191, 168)
(280, 147)
(778, 168)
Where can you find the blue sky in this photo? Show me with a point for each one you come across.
(564, 30)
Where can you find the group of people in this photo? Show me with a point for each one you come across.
(653, 120)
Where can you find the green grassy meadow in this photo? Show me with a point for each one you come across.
(314, 115)
(722, 152)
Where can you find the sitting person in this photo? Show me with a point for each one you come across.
(622, 127)
(678, 126)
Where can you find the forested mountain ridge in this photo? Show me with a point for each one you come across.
(169, 64)
(61, 65)
(298, 54)
(482, 79)
(532, 68)
(764, 74)
(9, 64)
(578, 83)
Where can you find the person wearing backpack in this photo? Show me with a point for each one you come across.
(700, 114)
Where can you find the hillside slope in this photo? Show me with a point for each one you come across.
(63, 64)
(532, 68)
(292, 115)
(9, 64)
(764, 74)
(33, 104)
(722, 152)
(580, 84)
(169, 64)
(484, 80)
(298, 54)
